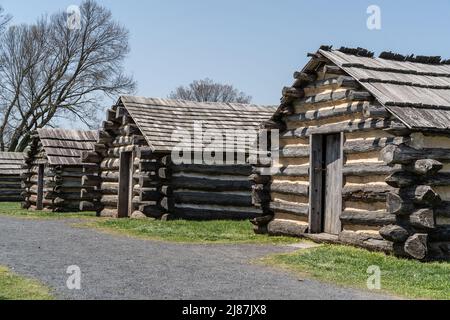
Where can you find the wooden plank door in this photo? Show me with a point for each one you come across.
(40, 188)
(333, 181)
(125, 185)
(316, 183)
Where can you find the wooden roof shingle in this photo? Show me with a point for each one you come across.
(11, 163)
(64, 147)
(159, 119)
(418, 94)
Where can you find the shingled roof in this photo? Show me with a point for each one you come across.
(418, 94)
(159, 118)
(64, 147)
(11, 163)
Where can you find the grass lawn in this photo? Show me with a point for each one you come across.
(174, 231)
(348, 266)
(14, 287)
(182, 231)
(13, 209)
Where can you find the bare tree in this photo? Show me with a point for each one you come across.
(209, 91)
(49, 71)
(4, 19)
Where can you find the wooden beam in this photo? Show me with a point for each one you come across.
(367, 218)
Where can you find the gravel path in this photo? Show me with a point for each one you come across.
(117, 267)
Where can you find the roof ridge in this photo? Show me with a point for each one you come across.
(389, 55)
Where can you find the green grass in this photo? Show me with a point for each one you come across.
(13, 209)
(348, 266)
(15, 287)
(189, 231)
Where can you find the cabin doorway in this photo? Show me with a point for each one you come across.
(40, 188)
(124, 205)
(326, 182)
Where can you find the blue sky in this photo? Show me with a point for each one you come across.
(254, 45)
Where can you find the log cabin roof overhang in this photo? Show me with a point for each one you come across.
(415, 89)
(159, 119)
(64, 147)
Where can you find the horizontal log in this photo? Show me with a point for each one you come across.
(294, 152)
(213, 198)
(210, 184)
(403, 154)
(109, 200)
(366, 193)
(110, 164)
(365, 241)
(375, 111)
(149, 194)
(152, 211)
(364, 146)
(367, 218)
(226, 213)
(293, 171)
(238, 170)
(367, 169)
(315, 115)
(404, 179)
(298, 209)
(290, 188)
(349, 126)
(279, 227)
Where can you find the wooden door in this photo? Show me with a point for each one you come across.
(333, 183)
(325, 194)
(125, 185)
(40, 188)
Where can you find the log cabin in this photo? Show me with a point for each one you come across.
(53, 172)
(140, 178)
(10, 176)
(364, 154)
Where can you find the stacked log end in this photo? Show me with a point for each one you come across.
(416, 203)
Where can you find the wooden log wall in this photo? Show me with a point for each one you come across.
(10, 177)
(420, 201)
(62, 184)
(121, 134)
(324, 102)
(209, 192)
